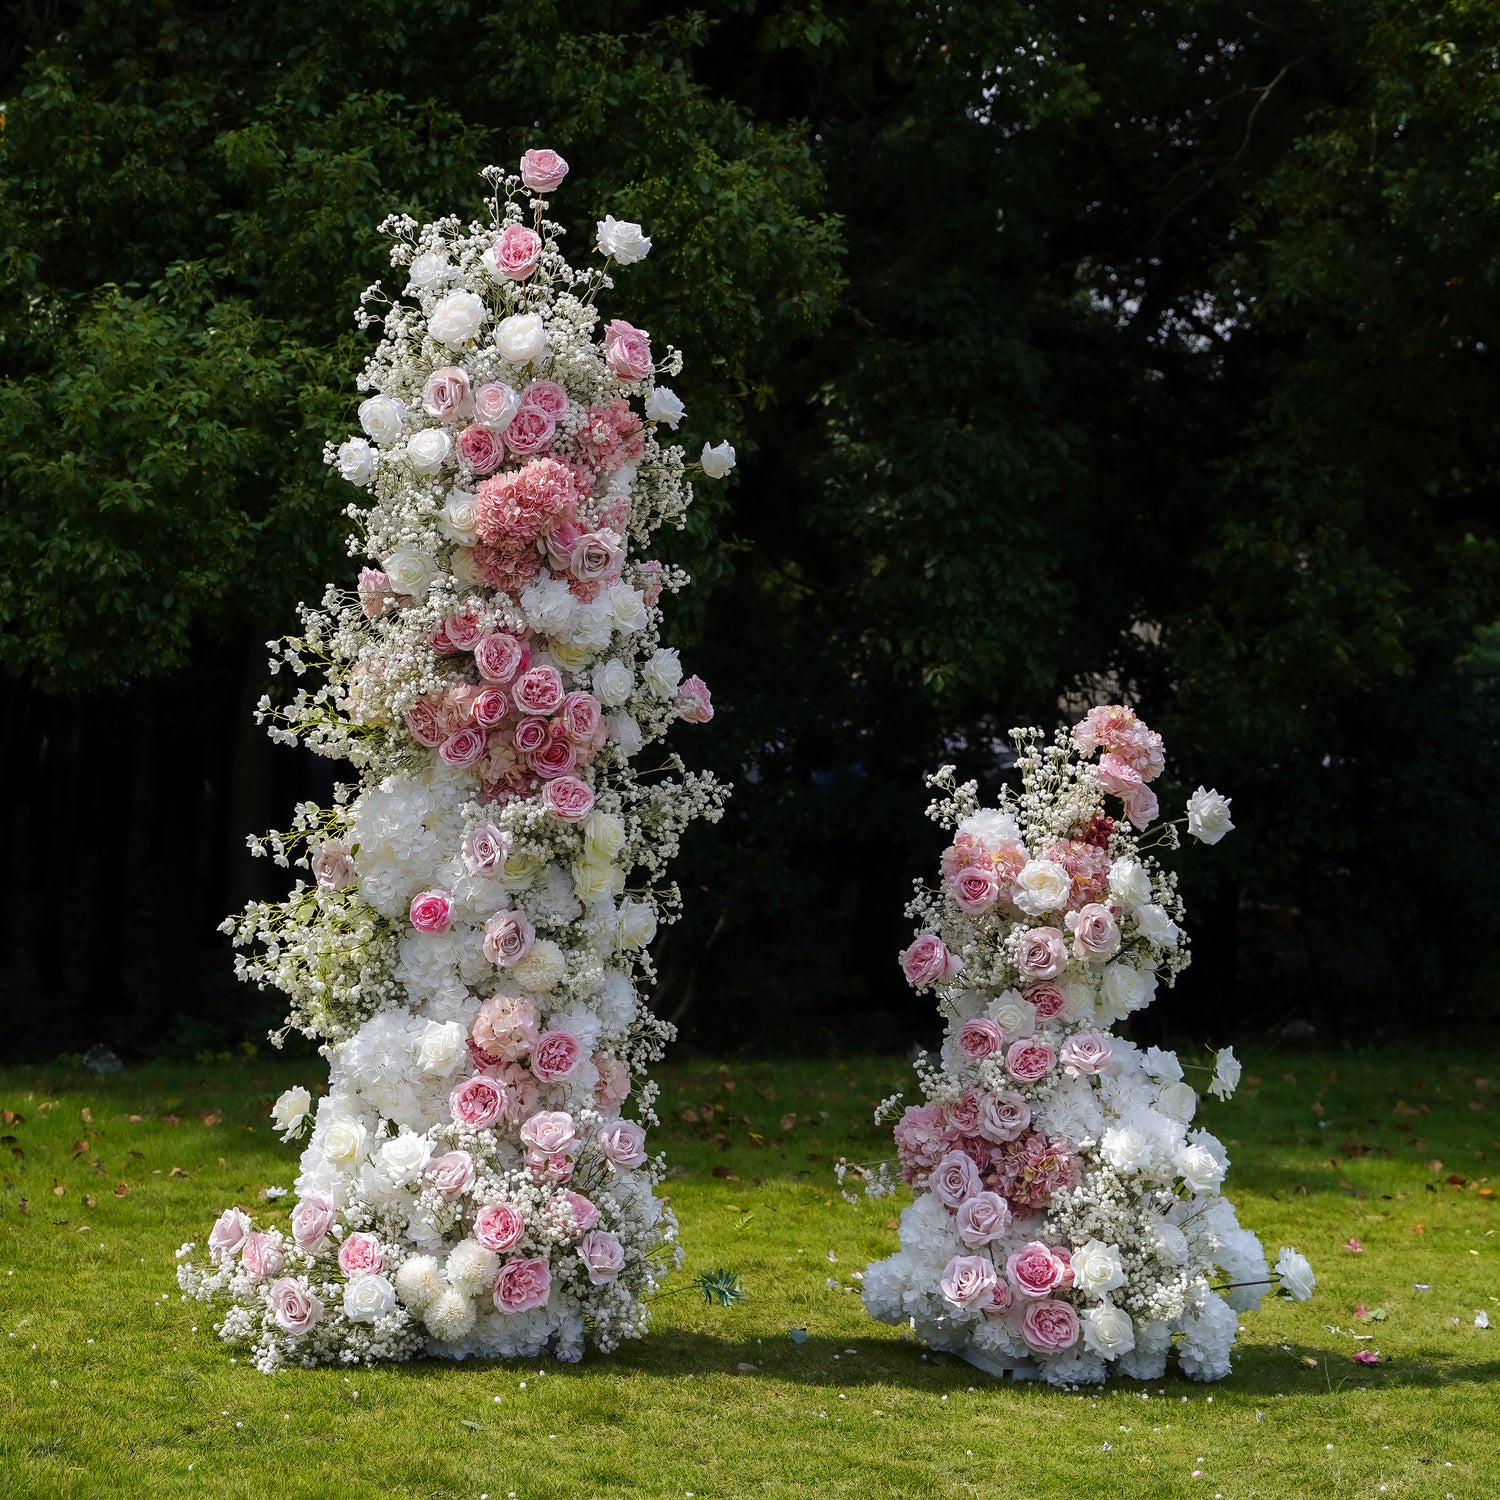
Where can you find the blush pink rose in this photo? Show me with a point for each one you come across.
(982, 1219)
(695, 704)
(581, 717)
(556, 758)
(499, 657)
(547, 396)
(955, 1178)
(516, 254)
(613, 1087)
(1083, 1056)
(439, 642)
(1028, 1060)
(480, 448)
(555, 1168)
(555, 1056)
(530, 735)
(1002, 1299)
(623, 1145)
(452, 1174)
(602, 1255)
(539, 691)
(552, 1132)
(425, 725)
(463, 747)
(1096, 933)
(976, 889)
(498, 1227)
(962, 1115)
(522, 1285)
(968, 1282)
(432, 911)
(585, 1215)
(1003, 1117)
(1141, 807)
(1049, 1327)
(476, 1103)
(495, 404)
(332, 867)
(1047, 999)
(260, 1255)
(627, 350)
(595, 556)
(1043, 953)
(228, 1233)
(447, 396)
(928, 960)
(361, 1255)
(530, 430)
(1036, 1271)
(463, 629)
(1117, 775)
(311, 1220)
(980, 1038)
(293, 1306)
(568, 799)
(485, 849)
(489, 708)
(375, 596)
(508, 937)
(543, 171)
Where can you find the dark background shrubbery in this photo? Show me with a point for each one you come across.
(1145, 352)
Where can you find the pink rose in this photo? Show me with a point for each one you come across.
(1047, 999)
(463, 629)
(480, 448)
(581, 717)
(976, 888)
(543, 171)
(508, 937)
(1096, 933)
(539, 691)
(515, 255)
(432, 911)
(651, 581)
(556, 758)
(522, 1285)
(485, 849)
(1141, 807)
(980, 1038)
(452, 1174)
(293, 1306)
(627, 350)
(963, 1114)
(555, 1056)
(1082, 1056)
(602, 1255)
(530, 735)
(1002, 1299)
(585, 1215)
(311, 1220)
(530, 430)
(955, 1178)
(1028, 1060)
(489, 708)
(1117, 775)
(1036, 1271)
(613, 1087)
(495, 404)
(439, 643)
(375, 596)
(568, 799)
(983, 1219)
(446, 395)
(498, 1227)
(623, 1145)
(695, 703)
(1043, 953)
(260, 1255)
(1049, 1327)
(463, 747)
(361, 1255)
(551, 1132)
(425, 725)
(547, 396)
(332, 867)
(968, 1282)
(595, 556)
(928, 960)
(476, 1103)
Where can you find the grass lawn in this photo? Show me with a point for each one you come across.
(111, 1385)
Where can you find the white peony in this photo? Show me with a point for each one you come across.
(1156, 925)
(1208, 816)
(522, 339)
(381, 418)
(1097, 1268)
(456, 318)
(717, 462)
(1226, 1074)
(441, 1048)
(662, 405)
(1108, 1331)
(1297, 1279)
(410, 572)
(636, 923)
(367, 1298)
(613, 682)
(621, 240)
(992, 827)
(429, 450)
(1042, 887)
(428, 269)
(357, 461)
(1130, 882)
(662, 672)
(457, 519)
(290, 1110)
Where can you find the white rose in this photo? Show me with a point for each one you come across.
(466, 569)
(1208, 816)
(1042, 887)
(603, 836)
(522, 339)
(1012, 1015)
(427, 451)
(1124, 989)
(409, 571)
(663, 405)
(717, 462)
(1171, 1243)
(593, 880)
(1156, 925)
(457, 318)
(1226, 1074)
(1199, 1168)
(1129, 882)
(1097, 1268)
(636, 923)
(1297, 1279)
(427, 270)
(356, 461)
(1125, 1149)
(662, 672)
(1162, 1066)
(625, 733)
(627, 607)
(344, 1141)
(456, 519)
(367, 1298)
(381, 417)
(1080, 993)
(613, 682)
(1108, 1331)
(1177, 1101)
(621, 240)
(290, 1111)
(441, 1048)
(403, 1157)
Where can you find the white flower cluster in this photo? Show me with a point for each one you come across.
(1067, 1216)
(469, 942)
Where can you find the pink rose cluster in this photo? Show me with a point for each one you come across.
(1130, 757)
(1026, 1287)
(981, 878)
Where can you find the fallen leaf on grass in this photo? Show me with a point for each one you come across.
(134, 1119)
(1309, 1361)
(10, 1117)
(88, 1201)
(213, 1118)
(80, 1146)
(87, 1115)
(1434, 1165)
(58, 1191)
(122, 1189)
(788, 1120)
(474, 1425)
(724, 1174)
(177, 1172)
(1419, 1229)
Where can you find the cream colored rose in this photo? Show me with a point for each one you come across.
(613, 682)
(636, 924)
(456, 520)
(409, 572)
(594, 880)
(1080, 995)
(1012, 1015)
(344, 1141)
(1042, 887)
(1177, 1101)
(627, 607)
(290, 1110)
(428, 450)
(522, 339)
(381, 418)
(457, 318)
(1108, 1331)
(603, 835)
(1129, 882)
(1097, 1268)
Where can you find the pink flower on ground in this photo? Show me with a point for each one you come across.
(980, 1038)
(516, 254)
(485, 849)
(623, 1145)
(499, 657)
(447, 396)
(585, 1215)
(543, 171)
(982, 1219)
(928, 960)
(463, 747)
(1043, 954)
(432, 911)
(694, 701)
(539, 691)
(551, 1132)
(555, 1056)
(568, 799)
(1047, 999)
(603, 1256)
(260, 1255)
(361, 1255)
(498, 1227)
(522, 1285)
(482, 449)
(311, 1220)
(627, 350)
(1028, 1060)
(968, 1282)
(1049, 1327)
(508, 938)
(476, 1103)
(955, 1178)
(1003, 1117)
(1366, 1356)
(1036, 1271)
(293, 1306)
(1354, 1247)
(451, 1174)
(1083, 1056)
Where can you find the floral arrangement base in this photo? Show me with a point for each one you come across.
(999, 1365)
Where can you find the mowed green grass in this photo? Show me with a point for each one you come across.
(111, 1385)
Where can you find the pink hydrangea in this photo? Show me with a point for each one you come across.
(920, 1139)
(1032, 1168)
(1087, 864)
(515, 510)
(506, 1027)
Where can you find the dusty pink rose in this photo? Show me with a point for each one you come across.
(439, 642)
(976, 889)
(1002, 1299)
(516, 254)
(490, 707)
(375, 596)
(968, 1281)
(495, 404)
(1096, 933)
(505, 1027)
(928, 960)
(543, 171)
(452, 1174)
(602, 1255)
(447, 396)
(595, 556)
(332, 867)
(627, 350)
(425, 725)
(463, 628)
(568, 799)
(555, 1056)
(1043, 953)
(551, 1132)
(982, 1219)
(1035, 1271)
(555, 758)
(963, 1114)
(585, 1215)
(530, 430)
(530, 735)
(311, 1220)
(623, 1145)
(1083, 1056)
(485, 849)
(432, 911)
(539, 691)
(1047, 999)
(293, 1306)
(480, 448)
(508, 937)
(463, 747)
(260, 1255)
(522, 1285)
(498, 1227)
(613, 1087)
(361, 1255)
(1141, 807)
(1117, 775)
(980, 1038)
(476, 1103)
(499, 657)
(554, 1169)
(581, 717)
(1028, 1060)
(1003, 1117)
(1049, 1327)
(955, 1178)
(547, 396)
(695, 703)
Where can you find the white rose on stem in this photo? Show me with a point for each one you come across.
(456, 318)
(1200, 1169)
(290, 1111)
(381, 418)
(663, 405)
(621, 240)
(662, 672)
(1208, 816)
(1297, 1279)
(1129, 882)
(356, 461)
(409, 572)
(1154, 924)
(429, 450)
(1226, 1074)
(1042, 887)
(717, 462)
(522, 339)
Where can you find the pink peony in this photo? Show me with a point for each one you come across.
(476, 1103)
(293, 1306)
(260, 1255)
(623, 1145)
(451, 1174)
(447, 396)
(955, 1178)
(432, 911)
(627, 350)
(982, 1219)
(311, 1220)
(543, 171)
(499, 657)
(968, 1282)
(963, 1114)
(1043, 954)
(505, 1027)
(425, 725)
(552, 1132)
(463, 747)
(1001, 1300)
(516, 254)
(1035, 1271)
(1028, 1060)
(490, 707)
(539, 691)
(568, 799)
(498, 1227)
(1117, 775)
(480, 448)
(547, 396)
(1047, 1000)
(463, 629)
(928, 960)
(695, 703)
(603, 1255)
(522, 1285)
(530, 430)
(976, 889)
(581, 718)
(508, 937)
(1096, 933)
(980, 1038)
(555, 1056)
(1003, 1117)
(1049, 1327)
(485, 849)
(361, 1255)
(1083, 1056)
